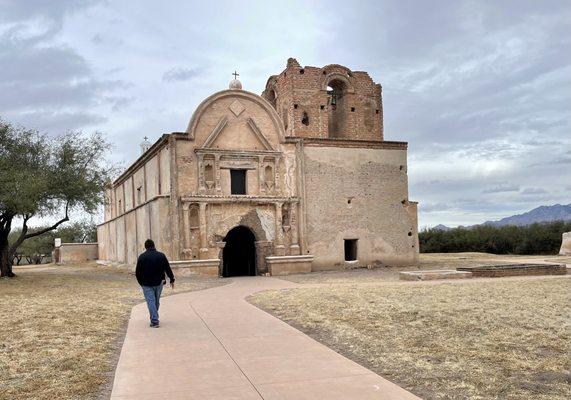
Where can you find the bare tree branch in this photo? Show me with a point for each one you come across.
(50, 228)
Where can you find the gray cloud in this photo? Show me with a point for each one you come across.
(480, 90)
(181, 74)
(533, 191)
(45, 84)
(501, 188)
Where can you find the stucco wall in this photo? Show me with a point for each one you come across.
(358, 193)
(122, 239)
(77, 252)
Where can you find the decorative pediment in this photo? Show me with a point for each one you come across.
(259, 134)
(215, 132)
(223, 123)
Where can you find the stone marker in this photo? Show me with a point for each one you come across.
(565, 244)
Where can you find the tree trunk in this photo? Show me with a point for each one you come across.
(5, 256)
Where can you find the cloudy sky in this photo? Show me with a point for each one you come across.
(481, 90)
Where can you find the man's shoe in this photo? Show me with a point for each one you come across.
(153, 325)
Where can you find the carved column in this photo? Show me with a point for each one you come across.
(186, 226)
(200, 165)
(294, 247)
(279, 239)
(217, 172)
(277, 183)
(202, 226)
(261, 179)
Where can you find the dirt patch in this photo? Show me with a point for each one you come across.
(62, 328)
(494, 340)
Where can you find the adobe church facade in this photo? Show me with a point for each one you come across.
(295, 180)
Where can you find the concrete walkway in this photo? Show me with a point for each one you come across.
(212, 344)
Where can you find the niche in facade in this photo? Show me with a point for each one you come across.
(269, 177)
(305, 119)
(193, 217)
(336, 92)
(286, 215)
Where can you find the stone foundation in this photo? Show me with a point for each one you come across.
(432, 275)
(196, 267)
(287, 265)
(495, 271)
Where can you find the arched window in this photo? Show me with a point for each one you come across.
(336, 90)
(271, 97)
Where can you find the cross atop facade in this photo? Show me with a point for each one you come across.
(145, 138)
(235, 74)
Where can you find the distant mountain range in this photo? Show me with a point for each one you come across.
(556, 212)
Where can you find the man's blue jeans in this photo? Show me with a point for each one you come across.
(153, 297)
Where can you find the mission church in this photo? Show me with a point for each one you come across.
(296, 180)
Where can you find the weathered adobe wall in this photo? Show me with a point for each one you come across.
(122, 239)
(77, 252)
(151, 179)
(303, 90)
(358, 193)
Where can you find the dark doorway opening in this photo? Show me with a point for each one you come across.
(239, 254)
(350, 249)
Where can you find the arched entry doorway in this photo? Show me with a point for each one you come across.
(239, 254)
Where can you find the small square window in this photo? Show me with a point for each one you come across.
(238, 181)
(352, 109)
(322, 107)
(351, 249)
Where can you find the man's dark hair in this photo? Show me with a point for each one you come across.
(149, 244)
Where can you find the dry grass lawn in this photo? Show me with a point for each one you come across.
(62, 328)
(498, 339)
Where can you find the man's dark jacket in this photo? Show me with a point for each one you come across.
(151, 268)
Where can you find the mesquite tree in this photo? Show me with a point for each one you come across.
(43, 176)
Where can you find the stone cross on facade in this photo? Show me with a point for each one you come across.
(236, 75)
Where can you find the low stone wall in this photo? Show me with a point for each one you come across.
(433, 275)
(565, 244)
(77, 252)
(287, 265)
(495, 271)
(196, 267)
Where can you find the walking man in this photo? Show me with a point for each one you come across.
(151, 268)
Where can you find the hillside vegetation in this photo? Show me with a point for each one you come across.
(539, 238)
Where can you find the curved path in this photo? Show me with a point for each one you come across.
(212, 344)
